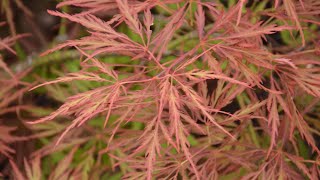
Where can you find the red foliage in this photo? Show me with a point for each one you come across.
(173, 98)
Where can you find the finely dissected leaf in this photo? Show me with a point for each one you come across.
(89, 21)
(273, 119)
(86, 76)
(151, 152)
(148, 22)
(33, 170)
(211, 75)
(241, 3)
(163, 37)
(290, 9)
(197, 100)
(94, 6)
(220, 98)
(130, 18)
(61, 170)
(200, 17)
(256, 31)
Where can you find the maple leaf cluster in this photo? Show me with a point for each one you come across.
(195, 89)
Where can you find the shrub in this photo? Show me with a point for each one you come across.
(187, 90)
